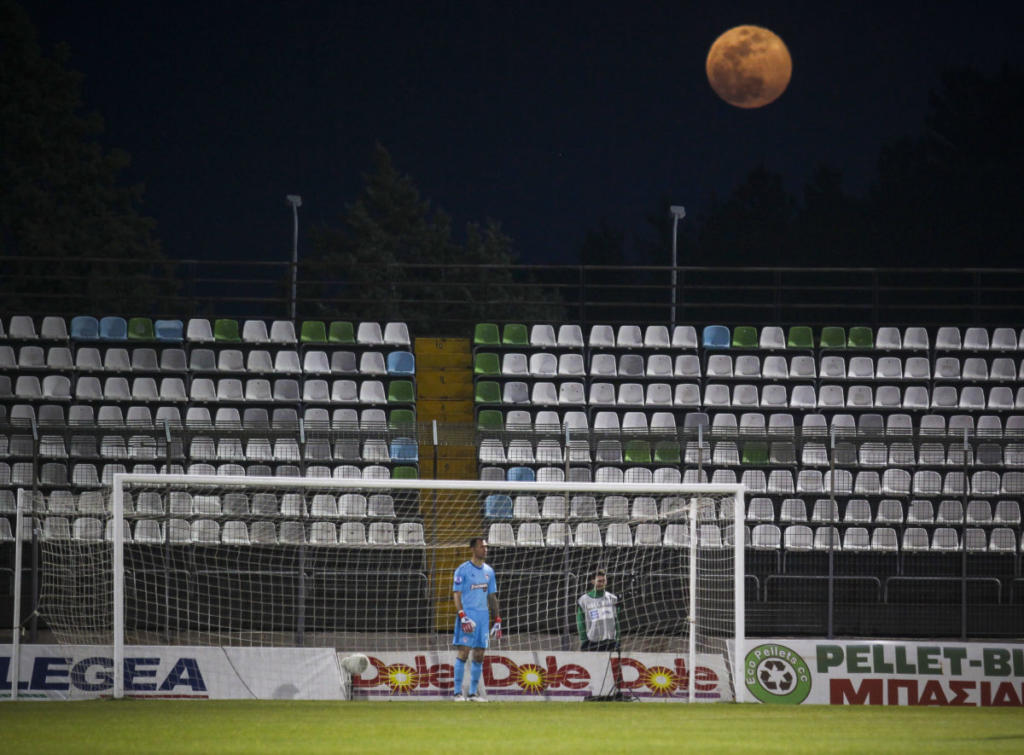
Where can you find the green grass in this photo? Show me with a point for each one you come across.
(133, 726)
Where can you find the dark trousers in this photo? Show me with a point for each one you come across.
(601, 646)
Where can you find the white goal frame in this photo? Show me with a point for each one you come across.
(693, 490)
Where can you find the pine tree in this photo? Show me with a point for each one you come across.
(61, 201)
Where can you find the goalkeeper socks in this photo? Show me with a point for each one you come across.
(460, 672)
(475, 669)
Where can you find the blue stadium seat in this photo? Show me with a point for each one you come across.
(401, 363)
(113, 328)
(404, 449)
(169, 330)
(716, 337)
(498, 506)
(521, 474)
(85, 328)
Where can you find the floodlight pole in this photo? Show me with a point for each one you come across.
(296, 202)
(678, 213)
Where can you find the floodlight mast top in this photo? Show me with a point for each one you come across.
(678, 213)
(295, 201)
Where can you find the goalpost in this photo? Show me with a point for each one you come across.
(365, 565)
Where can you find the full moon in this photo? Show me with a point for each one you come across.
(749, 66)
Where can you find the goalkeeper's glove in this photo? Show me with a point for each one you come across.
(496, 629)
(468, 625)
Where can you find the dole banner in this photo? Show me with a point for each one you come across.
(792, 672)
(533, 676)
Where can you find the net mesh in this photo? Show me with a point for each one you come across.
(358, 565)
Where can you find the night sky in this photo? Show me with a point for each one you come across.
(550, 117)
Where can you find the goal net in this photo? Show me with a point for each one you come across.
(366, 565)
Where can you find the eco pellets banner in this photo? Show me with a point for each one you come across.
(791, 672)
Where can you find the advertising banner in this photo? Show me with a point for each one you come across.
(549, 675)
(852, 672)
(60, 672)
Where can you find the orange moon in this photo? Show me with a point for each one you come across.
(749, 66)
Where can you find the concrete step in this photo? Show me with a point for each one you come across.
(442, 345)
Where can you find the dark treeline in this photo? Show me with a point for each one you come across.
(949, 196)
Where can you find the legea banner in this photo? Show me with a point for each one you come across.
(791, 672)
(61, 672)
(554, 675)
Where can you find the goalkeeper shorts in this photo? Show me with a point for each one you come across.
(478, 637)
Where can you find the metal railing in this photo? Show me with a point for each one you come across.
(448, 299)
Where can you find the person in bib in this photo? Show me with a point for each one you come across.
(597, 616)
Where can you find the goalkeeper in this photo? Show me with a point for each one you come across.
(475, 591)
(597, 616)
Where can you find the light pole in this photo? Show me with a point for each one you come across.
(678, 213)
(296, 202)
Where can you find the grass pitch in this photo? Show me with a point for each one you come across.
(134, 726)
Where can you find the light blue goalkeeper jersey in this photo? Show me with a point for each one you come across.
(475, 583)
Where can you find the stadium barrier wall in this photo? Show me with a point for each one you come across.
(54, 672)
(851, 672)
(60, 672)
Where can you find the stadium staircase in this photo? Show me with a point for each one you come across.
(444, 392)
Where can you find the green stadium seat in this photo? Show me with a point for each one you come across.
(800, 337)
(667, 452)
(401, 392)
(637, 452)
(515, 334)
(489, 419)
(227, 331)
(313, 331)
(341, 331)
(487, 392)
(833, 337)
(486, 334)
(402, 419)
(141, 329)
(755, 453)
(486, 363)
(861, 337)
(405, 473)
(744, 337)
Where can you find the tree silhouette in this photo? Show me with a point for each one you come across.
(393, 257)
(61, 196)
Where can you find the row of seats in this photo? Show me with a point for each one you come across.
(181, 503)
(888, 511)
(206, 390)
(891, 483)
(86, 475)
(225, 418)
(516, 335)
(718, 422)
(201, 330)
(202, 448)
(809, 452)
(544, 364)
(763, 536)
(586, 534)
(760, 509)
(210, 532)
(59, 360)
(773, 396)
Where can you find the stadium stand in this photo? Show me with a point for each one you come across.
(899, 453)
